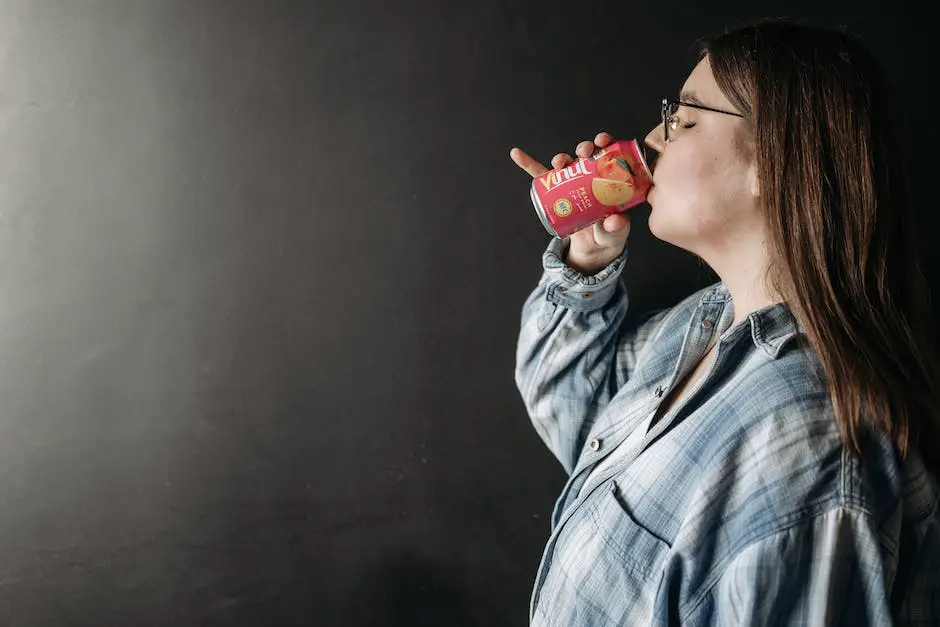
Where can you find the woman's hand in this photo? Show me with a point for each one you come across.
(593, 247)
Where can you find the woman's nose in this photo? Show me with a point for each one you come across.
(655, 139)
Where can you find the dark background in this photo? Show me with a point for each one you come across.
(261, 271)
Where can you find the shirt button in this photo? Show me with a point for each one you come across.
(595, 444)
(707, 324)
(587, 294)
(562, 288)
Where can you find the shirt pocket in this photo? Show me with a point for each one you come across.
(638, 548)
(608, 570)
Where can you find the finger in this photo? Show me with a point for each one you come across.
(603, 238)
(603, 138)
(612, 232)
(527, 163)
(585, 149)
(615, 222)
(561, 160)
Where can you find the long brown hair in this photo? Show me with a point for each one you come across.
(844, 254)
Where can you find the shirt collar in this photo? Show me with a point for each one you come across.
(771, 327)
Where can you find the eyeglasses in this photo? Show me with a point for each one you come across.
(671, 120)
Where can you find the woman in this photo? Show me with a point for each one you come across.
(764, 452)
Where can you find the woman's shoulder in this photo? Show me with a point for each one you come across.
(781, 446)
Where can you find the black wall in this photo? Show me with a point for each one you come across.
(261, 269)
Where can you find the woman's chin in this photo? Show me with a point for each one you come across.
(658, 223)
(654, 214)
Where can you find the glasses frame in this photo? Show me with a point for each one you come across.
(674, 106)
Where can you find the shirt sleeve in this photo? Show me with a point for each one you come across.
(829, 570)
(571, 355)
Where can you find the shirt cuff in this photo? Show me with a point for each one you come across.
(569, 288)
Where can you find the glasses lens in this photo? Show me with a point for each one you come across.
(670, 119)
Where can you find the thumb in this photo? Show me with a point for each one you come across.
(615, 222)
(612, 231)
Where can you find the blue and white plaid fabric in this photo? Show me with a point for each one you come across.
(740, 506)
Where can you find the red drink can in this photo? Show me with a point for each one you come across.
(610, 181)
